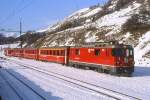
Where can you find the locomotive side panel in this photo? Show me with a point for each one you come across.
(95, 57)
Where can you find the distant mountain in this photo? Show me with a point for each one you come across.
(6, 39)
(127, 21)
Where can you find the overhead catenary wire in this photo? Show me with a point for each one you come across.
(11, 13)
(15, 12)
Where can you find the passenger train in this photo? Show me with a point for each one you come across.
(108, 57)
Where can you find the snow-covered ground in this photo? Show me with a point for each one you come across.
(53, 88)
(137, 86)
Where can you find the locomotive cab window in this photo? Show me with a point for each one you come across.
(127, 52)
(117, 52)
(97, 52)
(77, 52)
(131, 52)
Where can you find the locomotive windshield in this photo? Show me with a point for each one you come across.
(117, 52)
(122, 52)
(129, 52)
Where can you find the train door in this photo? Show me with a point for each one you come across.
(67, 52)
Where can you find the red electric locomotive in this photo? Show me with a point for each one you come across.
(104, 57)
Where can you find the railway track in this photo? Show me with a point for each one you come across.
(22, 82)
(12, 88)
(101, 90)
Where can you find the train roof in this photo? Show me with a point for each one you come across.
(112, 44)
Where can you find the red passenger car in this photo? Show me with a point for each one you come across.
(18, 52)
(8, 52)
(31, 53)
(52, 54)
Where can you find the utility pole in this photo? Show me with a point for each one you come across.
(20, 33)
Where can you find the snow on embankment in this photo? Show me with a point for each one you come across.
(141, 49)
(117, 18)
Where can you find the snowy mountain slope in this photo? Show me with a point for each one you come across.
(143, 48)
(127, 21)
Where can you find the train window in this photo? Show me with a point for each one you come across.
(57, 52)
(62, 53)
(46, 52)
(50, 52)
(117, 52)
(35, 51)
(127, 52)
(41, 52)
(54, 52)
(97, 52)
(77, 52)
(131, 52)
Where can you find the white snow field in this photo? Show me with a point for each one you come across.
(52, 88)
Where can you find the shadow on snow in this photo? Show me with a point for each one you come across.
(46, 94)
(141, 71)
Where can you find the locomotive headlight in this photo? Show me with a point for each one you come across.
(117, 63)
